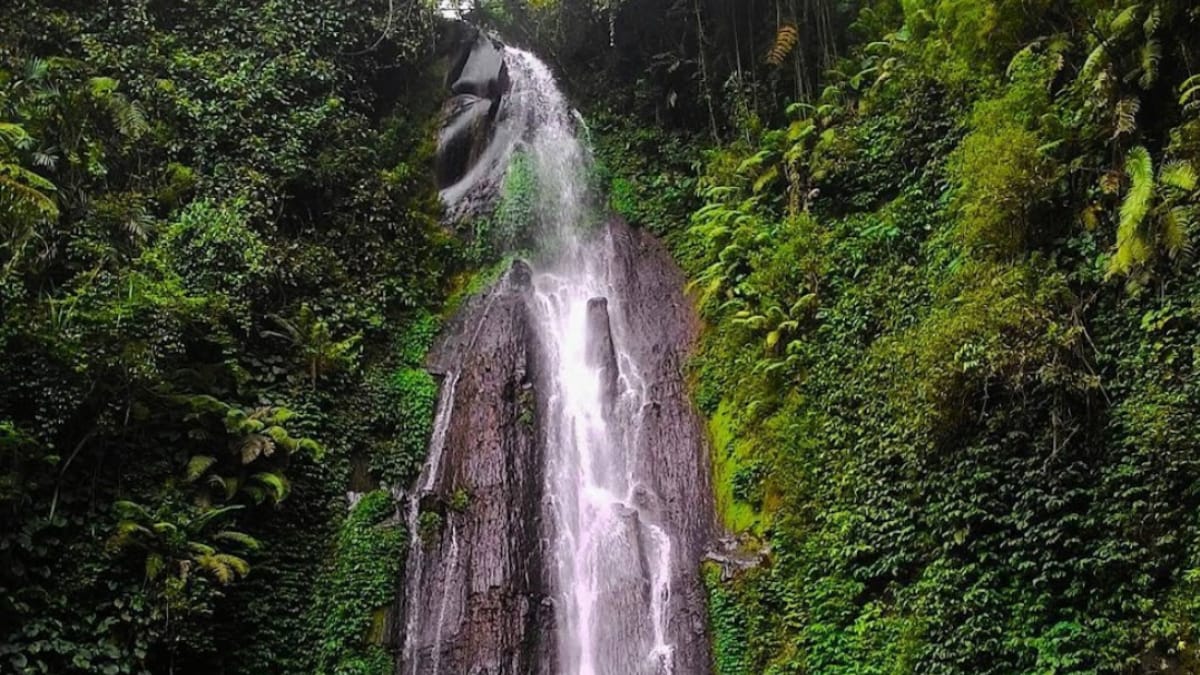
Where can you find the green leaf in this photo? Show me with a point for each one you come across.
(278, 486)
(197, 466)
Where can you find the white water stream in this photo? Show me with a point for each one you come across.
(612, 560)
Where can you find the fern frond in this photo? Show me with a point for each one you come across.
(799, 110)
(197, 466)
(130, 510)
(200, 548)
(240, 538)
(1153, 20)
(1189, 96)
(755, 161)
(238, 565)
(127, 528)
(1095, 62)
(163, 527)
(129, 116)
(1140, 168)
(255, 446)
(1150, 56)
(1123, 21)
(1177, 225)
(216, 567)
(786, 39)
(1180, 175)
(277, 485)
(208, 517)
(1125, 116)
(805, 304)
(1133, 248)
(767, 178)
(25, 189)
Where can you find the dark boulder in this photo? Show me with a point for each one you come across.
(478, 81)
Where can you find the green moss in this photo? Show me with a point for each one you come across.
(459, 500)
(731, 456)
(476, 281)
(429, 525)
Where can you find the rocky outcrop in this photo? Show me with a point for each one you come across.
(481, 603)
(477, 81)
(485, 598)
(672, 445)
(601, 353)
(473, 143)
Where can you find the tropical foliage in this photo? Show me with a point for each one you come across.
(215, 220)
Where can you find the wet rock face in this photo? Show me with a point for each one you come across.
(601, 352)
(673, 446)
(477, 82)
(482, 606)
(485, 604)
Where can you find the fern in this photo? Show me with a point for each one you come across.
(1125, 116)
(1155, 213)
(1132, 247)
(255, 446)
(240, 538)
(197, 466)
(786, 39)
(1176, 228)
(1189, 94)
(201, 522)
(1179, 175)
(1095, 62)
(1125, 19)
(223, 567)
(1150, 56)
(277, 486)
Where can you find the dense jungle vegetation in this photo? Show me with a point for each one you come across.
(944, 252)
(220, 265)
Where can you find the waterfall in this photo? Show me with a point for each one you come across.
(622, 508)
(611, 553)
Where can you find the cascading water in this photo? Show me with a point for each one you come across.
(622, 505)
(611, 555)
